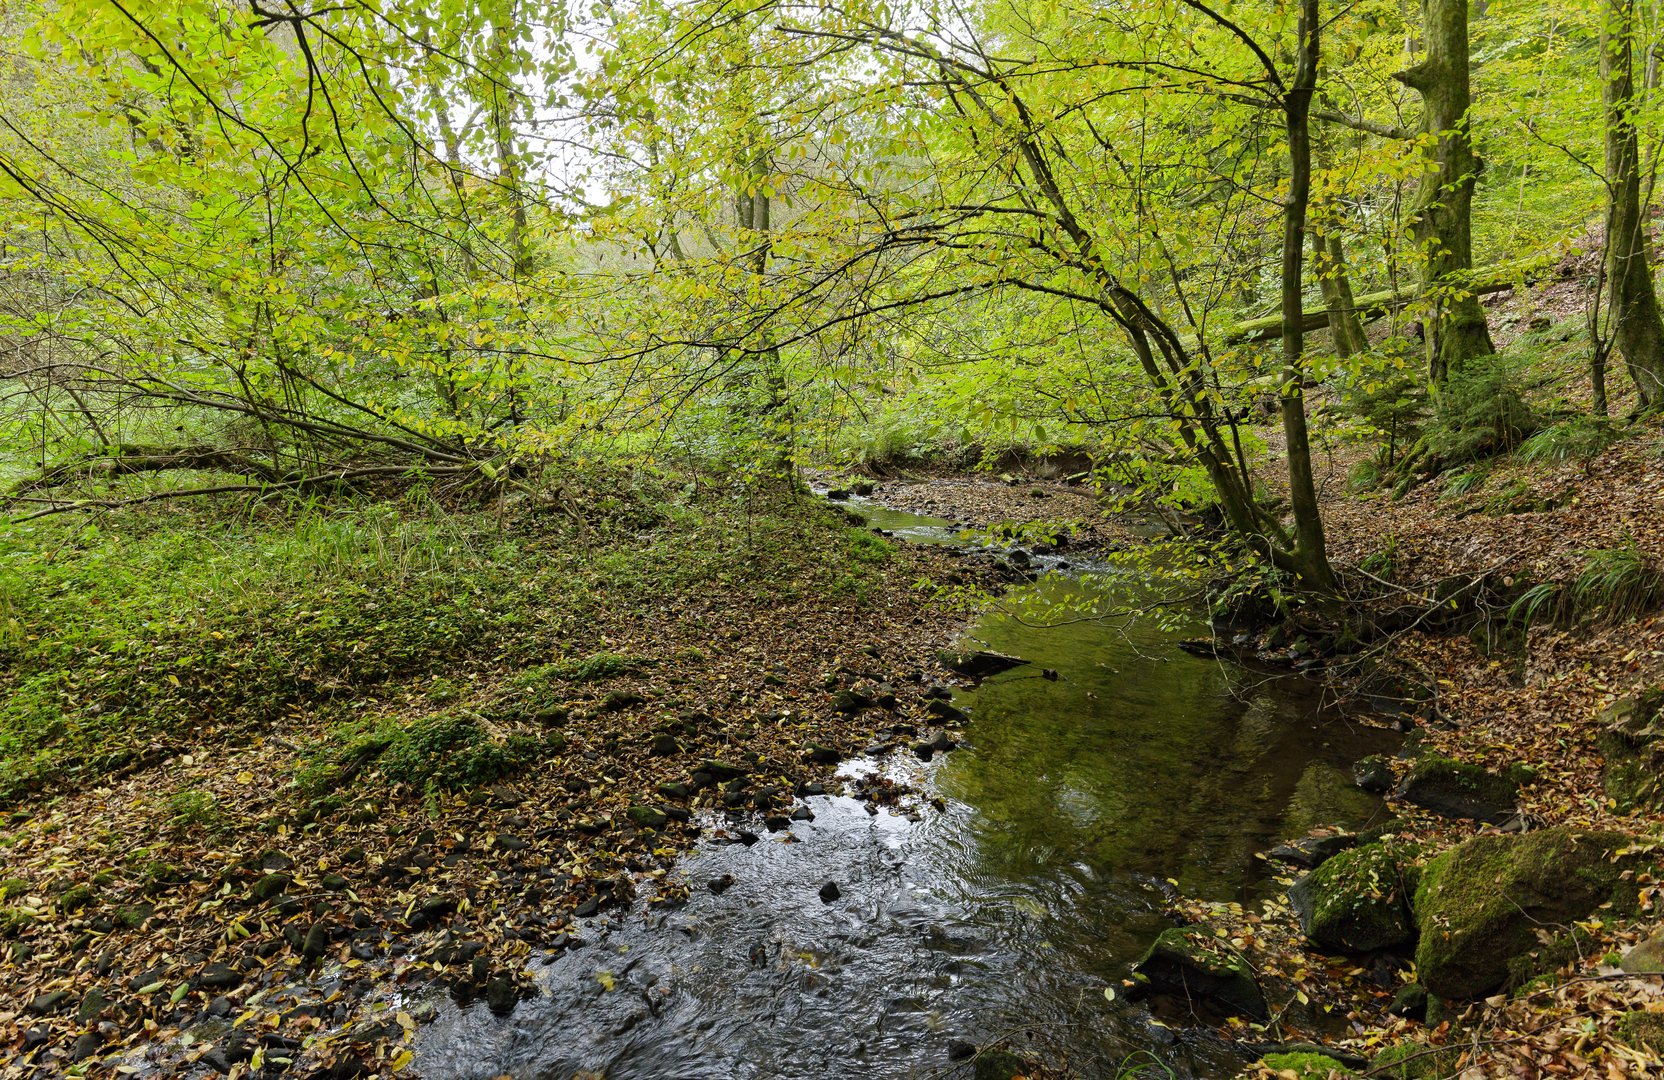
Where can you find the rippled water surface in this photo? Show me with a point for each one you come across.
(1004, 916)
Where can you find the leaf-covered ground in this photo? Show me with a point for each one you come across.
(271, 815)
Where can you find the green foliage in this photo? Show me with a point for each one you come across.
(1617, 583)
(1577, 439)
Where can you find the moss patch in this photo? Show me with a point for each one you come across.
(1642, 1030)
(1479, 904)
(1306, 1066)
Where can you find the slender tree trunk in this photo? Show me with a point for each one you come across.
(1310, 550)
(1442, 214)
(1346, 330)
(1638, 330)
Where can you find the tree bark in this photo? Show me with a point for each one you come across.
(1346, 329)
(1638, 330)
(1310, 549)
(1442, 214)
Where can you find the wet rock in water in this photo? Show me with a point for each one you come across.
(862, 487)
(822, 755)
(837, 494)
(502, 995)
(1356, 902)
(998, 1064)
(720, 885)
(777, 822)
(1479, 904)
(747, 837)
(1373, 774)
(803, 813)
(980, 663)
(924, 750)
(1189, 962)
(812, 788)
(588, 907)
(1313, 850)
(1457, 789)
(959, 1049)
(830, 892)
(942, 743)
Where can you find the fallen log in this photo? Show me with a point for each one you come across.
(1374, 305)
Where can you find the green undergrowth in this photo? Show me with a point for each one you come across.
(126, 637)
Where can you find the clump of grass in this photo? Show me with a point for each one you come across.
(1619, 583)
(445, 752)
(1577, 439)
(1462, 483)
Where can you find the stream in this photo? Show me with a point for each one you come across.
(1076, 805)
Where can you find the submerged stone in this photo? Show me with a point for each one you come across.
(1189, 962)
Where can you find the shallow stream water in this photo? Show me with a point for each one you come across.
(1076, 804)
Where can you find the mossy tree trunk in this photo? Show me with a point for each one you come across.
(1442, 216)
(1637, 329)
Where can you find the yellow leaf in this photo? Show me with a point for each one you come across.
(245, 777)
(402, 1059)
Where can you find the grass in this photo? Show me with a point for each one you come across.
(126, 639)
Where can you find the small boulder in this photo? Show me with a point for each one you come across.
(1355, 902)
(647, 817)
(1313, 850)
(1187, 961)
(1373, 774)
(998, 1064)
(1457, 789)
(830, 892)
(1645, 958)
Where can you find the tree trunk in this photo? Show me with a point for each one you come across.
(1638, 331)
(1346, 330)
(1310, 553)
(1442, 215)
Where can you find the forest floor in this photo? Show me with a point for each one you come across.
(256, 810)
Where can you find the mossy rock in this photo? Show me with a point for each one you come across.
(1189, 962)
(1458, 789)
(1306, 1066)
(1545, 959)
(1479, 904)
(997, 1064)
(1358, 901)
(1632, 742)
(1415, 1061)
(1642, 1030)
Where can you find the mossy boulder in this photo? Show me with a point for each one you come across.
(1305, 1066)
(1458, 789)
(1358, 901)
(1189, 962)
(1479, 904)
(998, 1064)
(1632, 742)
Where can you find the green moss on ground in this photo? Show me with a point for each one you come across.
(1643, 1031)
(1188, 961)
(1307, 1066)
